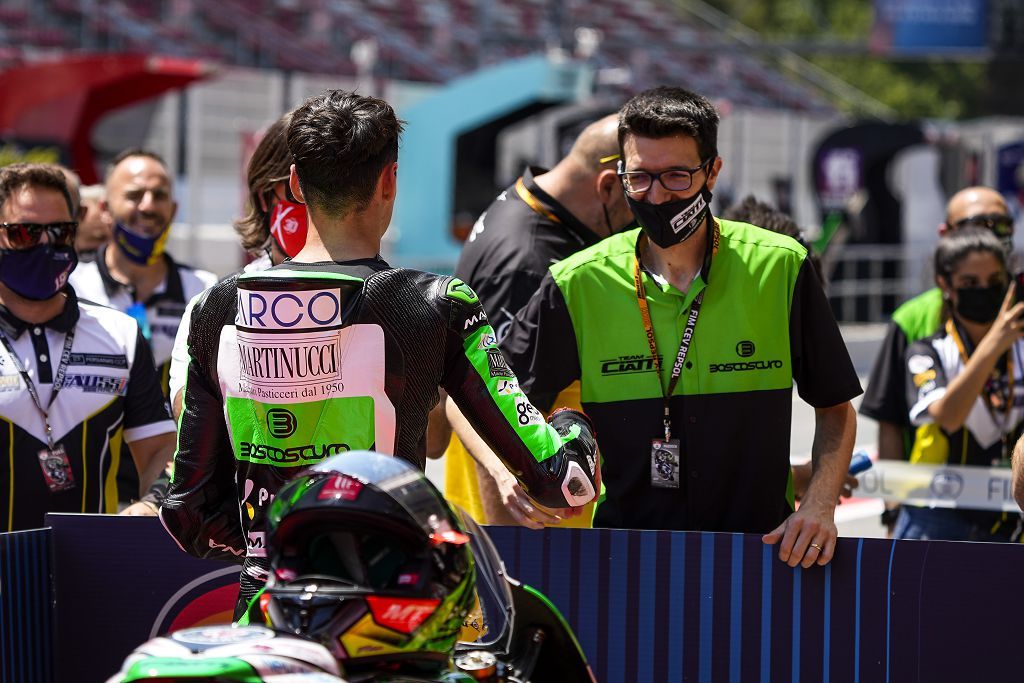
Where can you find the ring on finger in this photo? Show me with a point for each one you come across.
(816, 547)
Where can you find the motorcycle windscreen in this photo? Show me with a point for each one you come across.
(488, 626)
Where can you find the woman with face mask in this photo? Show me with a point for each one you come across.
(965, 383)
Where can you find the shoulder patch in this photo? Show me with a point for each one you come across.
(460, 291)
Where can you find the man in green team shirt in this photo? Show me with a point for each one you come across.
(885, 399)
(687, 337)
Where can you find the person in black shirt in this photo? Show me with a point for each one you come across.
(542, 218)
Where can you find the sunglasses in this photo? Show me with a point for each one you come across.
(1000, 224)
(27, 235)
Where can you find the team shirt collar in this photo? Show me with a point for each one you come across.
(13, 327)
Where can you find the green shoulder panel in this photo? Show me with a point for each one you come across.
(920, 317)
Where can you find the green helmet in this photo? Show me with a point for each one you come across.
(367, 558)
(229, 654)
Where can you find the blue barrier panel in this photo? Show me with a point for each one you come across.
(722, 607)
(647, 606)
(26, 615)
(120, 581)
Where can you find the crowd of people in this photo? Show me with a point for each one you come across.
(608, 353)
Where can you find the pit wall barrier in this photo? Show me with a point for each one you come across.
(647, 606)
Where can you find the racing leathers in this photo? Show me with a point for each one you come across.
(294, 364)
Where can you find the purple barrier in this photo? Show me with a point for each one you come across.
(647, 606)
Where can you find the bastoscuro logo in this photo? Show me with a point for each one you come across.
(289, 363)
(209, 599)
(747, 366)
(291, 311)
(745, 349)
(627, 365)
(281, 423)
(296, 455)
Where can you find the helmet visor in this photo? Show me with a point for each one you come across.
(365, 559)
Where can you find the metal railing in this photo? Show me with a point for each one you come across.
(866, 282)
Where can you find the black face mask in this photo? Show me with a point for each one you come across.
(980, 304)
(675, 222)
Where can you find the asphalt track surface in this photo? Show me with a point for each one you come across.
(855, 517)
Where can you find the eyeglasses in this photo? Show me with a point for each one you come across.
(673, 179)
(998, 223)
(27, 235)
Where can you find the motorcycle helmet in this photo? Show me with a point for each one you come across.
(227, 654)
(368, 559)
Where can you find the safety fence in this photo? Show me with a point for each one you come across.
(646, 606)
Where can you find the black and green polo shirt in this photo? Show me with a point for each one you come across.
(764, 323)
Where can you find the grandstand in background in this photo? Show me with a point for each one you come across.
(777, 113)
(634, 44)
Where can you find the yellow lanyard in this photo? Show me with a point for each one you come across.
(534, 203)
(684, 343)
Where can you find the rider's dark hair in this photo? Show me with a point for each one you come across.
(665, 111)
(341, 142)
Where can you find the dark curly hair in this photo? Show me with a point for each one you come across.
(665, 111)
(341, 142)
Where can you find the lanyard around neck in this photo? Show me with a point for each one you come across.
(684, 344)
(534, 203)
(58, 379)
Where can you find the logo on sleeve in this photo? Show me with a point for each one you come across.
(497, 364)
(460, 291)
(526, 413)
(480, 317)
(508, 387)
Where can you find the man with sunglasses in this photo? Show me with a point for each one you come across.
(76, 379)
(885, 399)
(134, 273)
(686, 337)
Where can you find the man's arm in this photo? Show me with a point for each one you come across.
(148, 429)
(439, 431)
(504, 500)
(1018, 472)
(826, 379)
(555, 459)
(814, 521)
(152, 456)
